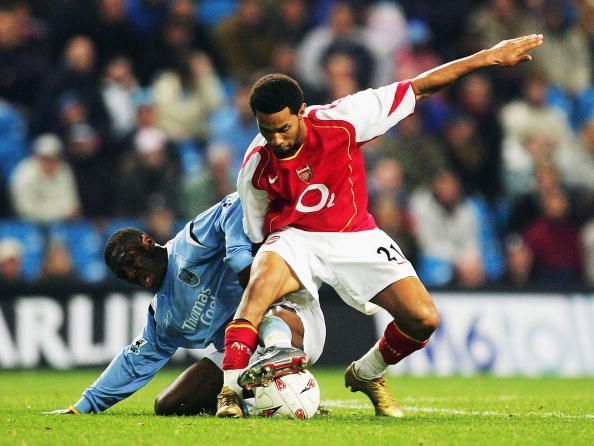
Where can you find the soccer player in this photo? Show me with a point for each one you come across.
(196, 280)
(303, 190)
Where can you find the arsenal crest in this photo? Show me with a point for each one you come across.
(304, 174)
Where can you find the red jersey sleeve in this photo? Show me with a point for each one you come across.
(372, 112)
(254, 200)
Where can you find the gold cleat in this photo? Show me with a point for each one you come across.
(228, 404)
(377, 391)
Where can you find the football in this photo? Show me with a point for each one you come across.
(294, 396)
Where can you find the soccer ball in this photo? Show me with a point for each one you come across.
(295, 396)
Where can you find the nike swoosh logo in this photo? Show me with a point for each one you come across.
(273, 180)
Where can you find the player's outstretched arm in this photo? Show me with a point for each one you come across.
(130, 370)
(506, 53)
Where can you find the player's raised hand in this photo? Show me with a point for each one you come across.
(508, 53)
(60, 412)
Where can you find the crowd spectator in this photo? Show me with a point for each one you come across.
(148, 172)
(104, 22)
(212, 183)
(56, 267)
(567, 46)
(186, 96)
(386, 179)
(86, 153)
(447, 229)
(120, 86)
(11, 261)
(160, 220)
(290, 22)
(418, 55)
(342, 32)
(23, 61)
(533, 132)
(76, 77)
(446, 20)
(233, 127)
(144, 117)
(243, 40)
(476, 100)
(527, 207)
(283, 59)
(43, 188)
(420, 154)
(519, 261)
(497, 20)
(555, 242)
(468, 156)
(341, 78)
(180, 33)
(387, 35)
(148, 102)
(577, 165)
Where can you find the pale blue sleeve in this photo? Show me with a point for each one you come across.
(238, 255)
(131, 369)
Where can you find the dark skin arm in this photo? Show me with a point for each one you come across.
(244, 277)
(195, 390)
(506, 53)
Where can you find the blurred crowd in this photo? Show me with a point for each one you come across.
(136, 112)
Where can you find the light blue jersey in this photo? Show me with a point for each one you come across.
(199, 295)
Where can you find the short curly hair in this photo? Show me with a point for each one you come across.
(273, 92)
(122, 237)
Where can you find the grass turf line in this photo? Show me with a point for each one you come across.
(440, 411)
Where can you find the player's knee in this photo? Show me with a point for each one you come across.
(160, 407)
(165, 406)
(421, 322)
(432, 319)
(427, 319)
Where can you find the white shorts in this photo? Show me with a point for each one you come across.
(358, 265)
(314, 327)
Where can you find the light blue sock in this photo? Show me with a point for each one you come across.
(274, 332)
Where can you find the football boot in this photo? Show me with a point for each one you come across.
(228, 404)
(377, 391)
(273, 363)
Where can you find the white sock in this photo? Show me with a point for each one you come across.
(274, 332)
(371, 365)
(230, 380)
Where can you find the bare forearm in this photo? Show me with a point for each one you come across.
(506, 53)
(440, 77)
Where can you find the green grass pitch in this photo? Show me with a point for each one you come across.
(440, 411)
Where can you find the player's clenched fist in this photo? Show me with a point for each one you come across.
(508, 53)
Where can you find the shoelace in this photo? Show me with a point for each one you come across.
(228, 398)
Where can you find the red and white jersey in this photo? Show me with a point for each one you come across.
(322, 187)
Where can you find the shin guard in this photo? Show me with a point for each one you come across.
(241, 340)
(395, 345)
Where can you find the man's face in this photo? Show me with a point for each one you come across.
(11, 269)
(284, 131)
(49, 165)
(140, 264)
